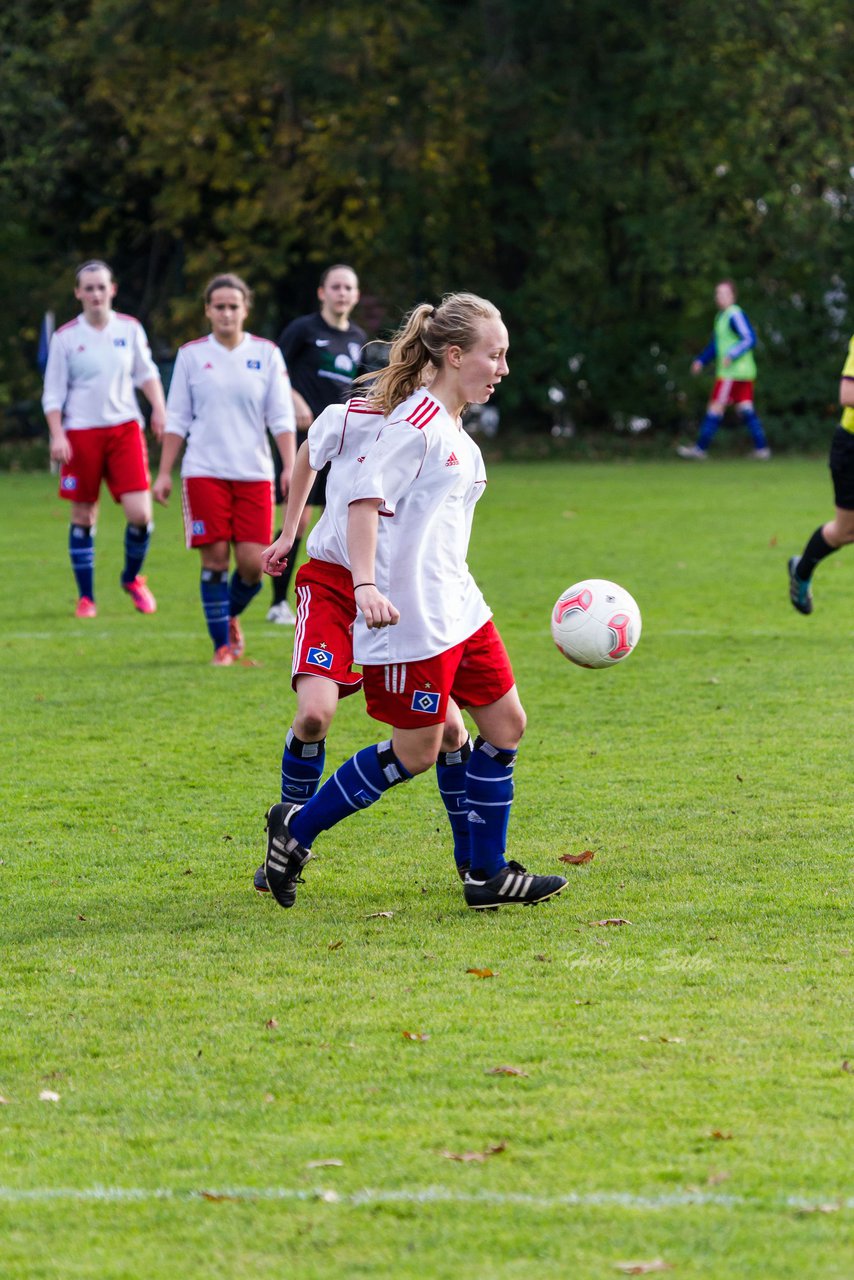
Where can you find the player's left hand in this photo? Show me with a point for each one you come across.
(274, 559)
(158, 423)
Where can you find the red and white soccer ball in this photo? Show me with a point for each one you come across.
(595, 623)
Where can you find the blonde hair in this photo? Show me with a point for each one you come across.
(228, 280)
(422, 340)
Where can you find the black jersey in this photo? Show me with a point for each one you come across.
(322, 361)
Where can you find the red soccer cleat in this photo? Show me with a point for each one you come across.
(223, 657)
(86, 608)
(142, 598)
(235, 638)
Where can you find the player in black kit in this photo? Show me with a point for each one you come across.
(322, 352)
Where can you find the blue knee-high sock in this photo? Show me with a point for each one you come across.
(708, 427)
(451, 769)
(81, 548)
(214, 589)
(240, 593)
(489, 795)
(137, 538)
(357, 784)
(302, 768)
(751, 420)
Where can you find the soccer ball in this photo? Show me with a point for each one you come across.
(595, 623)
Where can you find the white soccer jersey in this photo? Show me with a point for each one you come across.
(429, 474)
(222, 401)
(341, 435)
(91, 373)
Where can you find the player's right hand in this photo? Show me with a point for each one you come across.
(376, 609)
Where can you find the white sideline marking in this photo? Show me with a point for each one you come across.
(427, 1195)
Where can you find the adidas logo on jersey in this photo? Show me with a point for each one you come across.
(207, 366)
(453, 461)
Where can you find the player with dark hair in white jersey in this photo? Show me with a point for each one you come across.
(227, 390)
(424, 633)
(95, 364)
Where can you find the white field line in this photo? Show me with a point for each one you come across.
(427, 1195)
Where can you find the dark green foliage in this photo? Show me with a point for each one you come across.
(593, 167)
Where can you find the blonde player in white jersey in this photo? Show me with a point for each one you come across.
(227, 389)
(94, 365)
(322, 668)
(425, 633)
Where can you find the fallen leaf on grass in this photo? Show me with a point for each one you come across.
(251, 662)
(269, 1097)
(81, 917)
(334, 946)
(643, 1268)
(415, 1035)
(577, 859)
(820, 1208)
(846, 1066)
(225, 837)
(48, 1095)
(507, 1071)
(380, 915)
(271, 1024)
(582, 1002)
(613, 920)
(188, 872)
(216, 1196)
(475, 1157)
(720, 1136)
(773, 540)
(482, 973)
(671, 1039)
(715, 1179)
(325, 1164)
(543, 959)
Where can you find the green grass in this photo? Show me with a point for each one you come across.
(710, 773)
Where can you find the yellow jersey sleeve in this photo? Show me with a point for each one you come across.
(847, 420)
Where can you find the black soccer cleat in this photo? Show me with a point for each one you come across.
(260, 880)
(512, 885)
(799, 590)
(286, 857)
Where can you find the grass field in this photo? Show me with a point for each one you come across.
(684, 1096)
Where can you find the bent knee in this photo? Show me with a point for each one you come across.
(312, 724)
(416, 762)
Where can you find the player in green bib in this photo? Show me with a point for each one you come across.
(731, 349)
(840, 530)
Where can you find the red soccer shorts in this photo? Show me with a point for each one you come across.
(115, 454)
(323, 638)
(729, 391)
(227, 510)
(411, 695)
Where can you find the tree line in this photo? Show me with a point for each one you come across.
(592, 167)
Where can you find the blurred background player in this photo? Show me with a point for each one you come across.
(227, 390)
(839, 531)
(94, 364)
(322, 352)
(732, 350)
